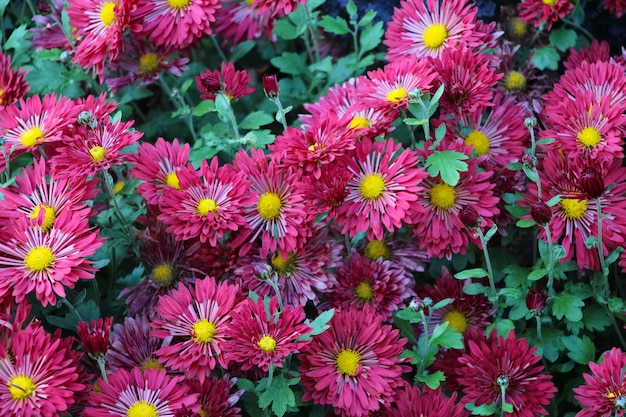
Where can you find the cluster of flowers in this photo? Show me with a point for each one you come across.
(272, 223)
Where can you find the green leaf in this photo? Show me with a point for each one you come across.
(414, 122)
(441, 304)
(514, 166)
(537, 274)
(471, 273)
(483, 410)
(545, 141)
(16, 39)
(186, 85)
(284, 29)
(474, 288)
(591, 242)
(554, 200)
(351, 8)
(335, 25)
(325, 65)
(568, 306)
(371, 37)
(581, 351)
(440, 132)
(204, 107)
(595, 318)
(241, 50)
(433, 381)
(525, 223)
(546, 58)
(507, 408)
(492, 231)
(502, 326)
(449, 339)
(245, 384)
(255, 120)
(290, 63)
(279, 394)
(49, 54)
(319, 325)
(563, 39)
(447, 164)
(3, 6)
(368, 18)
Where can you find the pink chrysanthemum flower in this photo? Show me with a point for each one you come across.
(227, 80)
(468, 78)
(388, 88)
(615, 6)
(426, 28)
(597, 51)
(505, 364)
(262, 335)
(209, 204)
(327, 194)
(93, 150)
(383, 190)
(97, 107)
(48, 34)
(439, 228)
(178, 23)
(276, 7)
(238, 21)
(354, 365)
(134, 346)
(13, 85)
(157, 166)
(41, 375)
(410, 401)
(300, 275)
(95, 339)
(279, 216)
(536, 12)
(137, 393)
(199, 317)
(32, 260)
(402, 254)
(216, 398)
(362, 282)
(100, 25)
(604, 392)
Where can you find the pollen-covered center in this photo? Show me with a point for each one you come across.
(364, 292)
(267, 344)
(269, 205)
(514, 81)
(107, 13)
(151, 363)
(377, 249)
(574, 209)
(171, 179)
(149, 63)
(97, 153)
(479, 141)
(589, 137)
(49, 215)
(202, 331)
(178, 4)
(316, 147)
(372, 186)
(142, 409)
(435, 35)
(284, 266)
(21, 387)
(456, 320)
(348, 362)
(442, 195)
(517, 27)
(206, 206)
(162, 274)
(397, 95)
(549, 2)
(359, 122)
(31, 137)
(39, 258)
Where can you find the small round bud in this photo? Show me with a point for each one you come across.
(428, 302)
(43, 8)
(415, 304)
(270, 85)
(529, 160)
(86, 118)
(65, 56)
(503, 381)
(469, 216)
(592, 182)
(536, 301)
(530, 122)
(541, 212)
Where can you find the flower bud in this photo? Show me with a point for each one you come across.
(469, 216)
(530, 122)
(270, 85)
(541, 212)
(96, 341)
(86, 118)
(592, 182)
(529, 160)
(536, 301)
(43, 8)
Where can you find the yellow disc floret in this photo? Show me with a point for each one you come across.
(364, 292)
(574, 209)
(206, 206)
(49, 215)
(21, 387)
(172, 180)
(456, 320)
(162, 274)
(267, 344)
(435, 35)
(359, 122)
(397, 95)
(39, 258)
(97, 153)
(31, 137)
(372, 186)
(151, 363)
(549, 2)
(589, 137)
(107, 13)
(443, 196)
(479, 140)
(142, 409)
(348, 362)
(269, 205)
(178, 4)
(514, 81)
(377, 249)
(202, 331)
(284, 266)
(149, 63)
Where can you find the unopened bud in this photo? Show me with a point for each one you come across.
(86, 118)
(270, 85)
(43, 8)
(530, 122)
(592, 182)
(541, 212)
(469, 216)
(529, 160)
(536, 301)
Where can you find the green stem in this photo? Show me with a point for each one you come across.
(550, 260)
(539, 336)
(616, 327)
(217, 46)
(312, 32)
(103, 371)
(426, 325)
(605, 270)
(232, 120)
(71, 308)
(107, 179)
(579, 28)
(274, 286)
(178, 100)
(281, 112)
(411, 129)
(492, 283)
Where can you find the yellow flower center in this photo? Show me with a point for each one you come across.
(574, 209)
(442, 195)
(480, 142)
(397, 95)
(21, 387)
(517, 27)
(359, 122)
(151, 364)
(97, 153)
(149, 63)
(372, 186)
(49, 215)
(1, 93)
(267, 343)
(31, 137)
(456, 320)
(549, 2)
(172, 180)
(316, 147)
(364, 292)
(589, 137)
(249, 2)
(39, 258)
(119, 186)
(107, 14)
(284, 266)
(377, 249)
(206, 205)
(142, 409)
(269, 205)
(203, 331)
(348, 362)
(178, 4)
(435, 35)
(514, 81)
(162, 274)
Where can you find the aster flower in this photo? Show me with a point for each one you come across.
(536, 12)
(401, 253)
(216, 396)
(40, 376)
(327, 194)
(363, 283)
(140, 393)
(32, 260)
(354, 365)
(603, 393)
(506, 365)
(48, 34)
(178, 23)
(419, 28)
(227, 80)
(95, 339)
(13, 85)
(239, 21)
(596, 51)
(410, 401)
(199, 316)
(262, 335)
(383, 189)
(276, 7)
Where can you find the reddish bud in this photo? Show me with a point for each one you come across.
(592, 182)
(43, 8)
(209, 84)
(270, 85)
(529, 160)
(469, 216)
(536, 301)
(541, 212)
(96, 341)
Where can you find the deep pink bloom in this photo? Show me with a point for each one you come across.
(410, 401)
(401, 253)
(216, 396)
(239, 21)
(13, 85)
(597, 51)
(327, 194)
(95, 339)
(615, 6)
(48, 34)
(604, 387)
(276, 7)
(536, 12)
(227, 80)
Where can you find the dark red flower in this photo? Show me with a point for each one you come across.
(540, 212)
(469, 216)
(270, 85)
(536, 300)
(592, 182)
(97, 339)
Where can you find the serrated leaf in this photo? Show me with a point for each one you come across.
(279, 394)
(474, 288)
(568, 306)
(319, 325)
(17, 38)
(351, 8)
(546, 58)
(371, 37)
(204, 107)
(433, 381)
(255, 120)
(368, 18)
(563, 38)
(595, 318)
(447, 164)
(581, 351)
(483, 409)
(471, 273)
(537, 274)
(290, 63)
(245, 384)
(284, 29)
(507, 408)
(241, 50)
(502, 326)
(335, 25)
